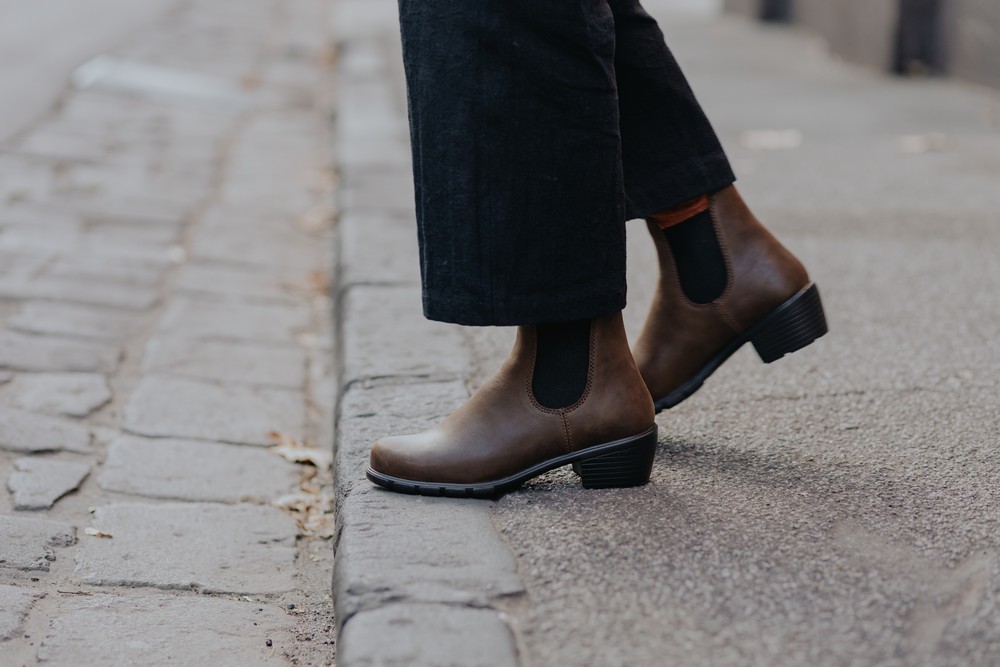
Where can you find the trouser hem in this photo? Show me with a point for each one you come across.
(539, 310)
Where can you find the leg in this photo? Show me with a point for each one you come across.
(517, 159)
(724, 279)
(669, 149)
(520, 204)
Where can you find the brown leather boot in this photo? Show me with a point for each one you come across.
(768, 301)
(502, 436)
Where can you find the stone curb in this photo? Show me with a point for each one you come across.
(416, 580)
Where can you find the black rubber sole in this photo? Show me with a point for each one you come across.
(788, 328)
(612, 465)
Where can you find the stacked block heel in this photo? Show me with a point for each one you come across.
(629, 466)
(793, 326)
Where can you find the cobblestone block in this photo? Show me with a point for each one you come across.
(36, 216)
(373, 347)
(24, 352)
(26, 544)
(22, 431)
(428, 634)
(214, 548)
(45, 239)
(137, 210)
(270, 323)
(95, 292)
(245, 244)
(176, 407)
(357, 20)
(233, 283)
(195, 471)
(68, 394)
(379, 190)
(145, 273)
(18, 267)
(378, 249)
(455, 554)
(65, 319)
(188, 630)
(376, 154)
(64, 145)
(371, 112)
(15, 602)
(227, 362)
(38, 483)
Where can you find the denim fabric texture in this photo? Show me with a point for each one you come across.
(538, 128)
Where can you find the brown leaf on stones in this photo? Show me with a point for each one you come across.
(251, 82)
(315, 283)
(93, 532)
(296, 452)
(326, 57)
(312, 504)
(315, 221)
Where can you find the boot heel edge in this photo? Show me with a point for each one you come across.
(626, 467)
(793, 326)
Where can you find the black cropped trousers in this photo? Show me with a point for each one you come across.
(538, 128)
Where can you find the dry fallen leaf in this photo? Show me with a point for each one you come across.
(295, 452)
(93, 532)
(312, 504)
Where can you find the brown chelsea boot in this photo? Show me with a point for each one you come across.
(768, 301)
(502, 436)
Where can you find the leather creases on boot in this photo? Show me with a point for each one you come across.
(768, 301)
(502, 436)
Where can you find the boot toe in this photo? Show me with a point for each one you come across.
(386, 456)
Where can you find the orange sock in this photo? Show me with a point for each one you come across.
(678, 214)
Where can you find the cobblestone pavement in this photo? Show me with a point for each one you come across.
(166, 350)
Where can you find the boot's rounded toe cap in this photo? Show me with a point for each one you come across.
(414, 457)
(386, 455)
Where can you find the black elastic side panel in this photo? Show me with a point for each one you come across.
(561, 363)
(698, 257)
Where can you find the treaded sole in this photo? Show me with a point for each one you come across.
(620, 463)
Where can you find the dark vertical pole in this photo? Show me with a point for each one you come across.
(777, 11)
(918, 38)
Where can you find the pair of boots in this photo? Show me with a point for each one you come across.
(574, 393)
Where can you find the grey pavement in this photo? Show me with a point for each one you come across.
(841, 507)
(167, 373)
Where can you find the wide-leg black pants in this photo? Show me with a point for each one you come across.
(538, 127)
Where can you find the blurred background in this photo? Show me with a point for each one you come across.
(42, 40)
(959, 37)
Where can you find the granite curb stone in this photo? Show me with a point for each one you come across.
(416, 580)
